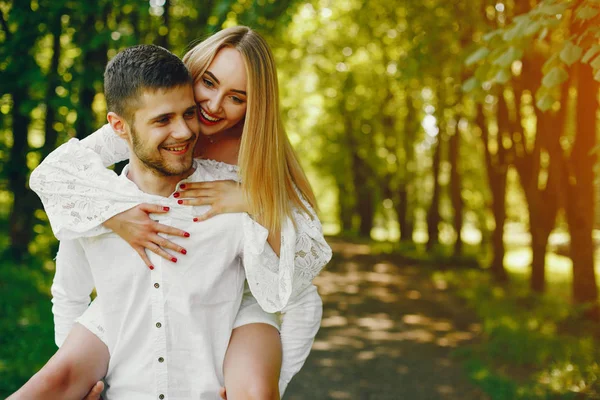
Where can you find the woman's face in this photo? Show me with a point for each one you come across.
(221, 92)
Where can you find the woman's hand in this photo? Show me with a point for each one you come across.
(223, 197)
(137, 228)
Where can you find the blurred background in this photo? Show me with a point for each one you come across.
(452, 146)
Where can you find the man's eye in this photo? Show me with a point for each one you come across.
(163, 120)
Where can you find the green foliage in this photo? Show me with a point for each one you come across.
(533, 347)
(529, 32)
(27, 330)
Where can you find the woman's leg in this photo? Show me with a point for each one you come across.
(252, 363)
(74, 369)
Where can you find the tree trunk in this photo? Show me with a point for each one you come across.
(51, 136)
(93, 63)
(163, 40)
(406, 218)
(455, 190)
(433, 214)
(580, 209)
(24, 203)
(496, 169)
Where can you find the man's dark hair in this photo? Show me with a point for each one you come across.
(139, 68)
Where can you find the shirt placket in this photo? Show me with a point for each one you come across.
(158, 326)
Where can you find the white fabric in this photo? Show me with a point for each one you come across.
(79, 194)
(195, 301)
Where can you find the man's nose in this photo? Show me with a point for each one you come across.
(182, 131)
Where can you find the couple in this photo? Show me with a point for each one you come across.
(186, 325)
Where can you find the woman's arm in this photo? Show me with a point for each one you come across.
(77, 190)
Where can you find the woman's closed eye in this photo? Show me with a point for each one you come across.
(237, 100)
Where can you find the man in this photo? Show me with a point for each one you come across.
(166, 330)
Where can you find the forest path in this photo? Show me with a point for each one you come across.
(388, 332)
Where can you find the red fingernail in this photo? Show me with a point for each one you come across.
(195, 219)
(174, 259)
(183, 251)
(179, 201)
(151, 267)
(176, 194)
(182, 186)
(186, 234)
(166, 208)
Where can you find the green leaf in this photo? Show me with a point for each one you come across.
(570, 53)
(532, 28)
(555, 77)
(586, 12)
(550, 63)
(592, 51)
(544, 33)
(477, 55)
(545, 102)
(594, 149)
(503, 76)
(470, 84)
(551, 9)
(508, 57)
(482, 72)
(517, 31)
(596, 63)
(490, 35)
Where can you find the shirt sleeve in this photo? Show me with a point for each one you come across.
(77, 190)
(73, 282)
(304, 252)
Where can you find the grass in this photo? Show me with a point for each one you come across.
(26, 326)
(533, 346)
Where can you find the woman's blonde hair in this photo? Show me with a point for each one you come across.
(268, 164)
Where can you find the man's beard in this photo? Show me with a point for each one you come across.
(155, 162)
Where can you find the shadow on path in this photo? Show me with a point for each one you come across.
(387, 333)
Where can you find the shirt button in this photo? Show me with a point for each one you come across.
(162, 396)
(160, 359)
(156, 285)
(158, 324)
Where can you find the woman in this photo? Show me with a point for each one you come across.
(240, 124)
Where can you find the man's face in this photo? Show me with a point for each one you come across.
(165, 129)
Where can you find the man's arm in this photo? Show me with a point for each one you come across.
(71, 288)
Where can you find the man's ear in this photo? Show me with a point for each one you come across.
(118, 124)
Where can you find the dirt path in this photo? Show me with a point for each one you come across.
(387, 333)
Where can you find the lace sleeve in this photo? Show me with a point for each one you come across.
(276, 281)
(76, 189)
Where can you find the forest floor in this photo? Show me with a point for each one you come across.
(389, 331)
